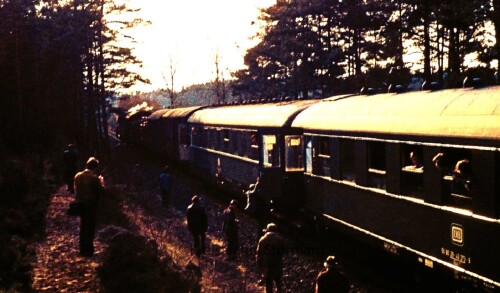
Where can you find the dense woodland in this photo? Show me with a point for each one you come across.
(339, 46)
(61, 65)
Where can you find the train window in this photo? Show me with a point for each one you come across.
(309, 153)
(183, 135)
(219, 143)
(235, 146)
(225, 140)
(293, 153)
(347, 159)
(210, 137)
(322, 159)
(270, 151)
(197, 136)
(376, 164)
(413, 169)
(254, 145)
(455, 167)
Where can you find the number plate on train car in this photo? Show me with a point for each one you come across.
(391, 248)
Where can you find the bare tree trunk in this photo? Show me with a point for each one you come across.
(496, 23)
(427, 45)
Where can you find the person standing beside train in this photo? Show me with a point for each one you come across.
(88, 187)
(165, 186)
(197, 224)
(255, 206)
(270, 250)
(330, 279)
(230, 229)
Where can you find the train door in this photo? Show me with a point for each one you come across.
(293, 181)
(271, 174)
(184, 142)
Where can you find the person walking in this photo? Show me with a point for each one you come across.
(197, 224)
(270, 250)
(165, 186)
(231, 230)
(330, 280)
(69, 158)
(89, 188)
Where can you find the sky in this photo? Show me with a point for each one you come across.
(188, 34)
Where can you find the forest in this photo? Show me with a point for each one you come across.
(327, 47)
(60, 66)
(64, 62)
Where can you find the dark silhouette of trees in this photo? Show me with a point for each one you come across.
(325, 47)
(59, 68)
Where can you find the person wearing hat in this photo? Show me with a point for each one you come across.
(330, 279)
(88, 188)
(230, 229)
(270, 250)
(197, 224)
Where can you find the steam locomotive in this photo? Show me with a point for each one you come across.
(416, 173)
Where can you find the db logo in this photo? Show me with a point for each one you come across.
(457, 234)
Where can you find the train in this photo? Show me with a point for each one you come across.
(414, 173)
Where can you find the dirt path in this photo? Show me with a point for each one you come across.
(58, 267)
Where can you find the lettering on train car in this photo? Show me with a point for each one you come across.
(391, 248)
(456, 258)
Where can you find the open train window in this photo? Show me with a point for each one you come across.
(455, 168)
(293, 153)
(412, 170)
(322, 158)
(308, 153)
(376, 164)
(254, 145)
(347, 160)
(270, 151)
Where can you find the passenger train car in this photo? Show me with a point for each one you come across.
(236, 144)
(358, 173)
(416, 174)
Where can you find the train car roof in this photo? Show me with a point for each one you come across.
(157, 114)
(173, 113)
(181, 112)
(462, 113)
(277, 114)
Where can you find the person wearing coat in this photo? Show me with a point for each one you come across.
(330, 280)
(270, 250)
(197, 224)
(230, 229)
(88, 188)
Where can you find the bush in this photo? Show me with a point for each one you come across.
(24, 198)
(132, 264)
(15, 268)
(110, 211)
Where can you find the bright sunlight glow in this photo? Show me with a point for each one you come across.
(188, 34)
